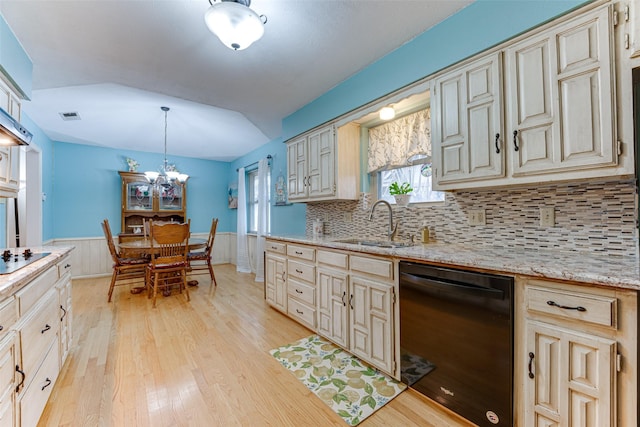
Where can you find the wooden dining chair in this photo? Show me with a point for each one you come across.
(168, 265)
(201, 260)
(125, 270)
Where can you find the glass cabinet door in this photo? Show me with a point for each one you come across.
(170, 197)
(139, 196)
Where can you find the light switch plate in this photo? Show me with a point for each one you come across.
(547, 217)
(477, 217)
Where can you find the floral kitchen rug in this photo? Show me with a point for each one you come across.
(352, 389)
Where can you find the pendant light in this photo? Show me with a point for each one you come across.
(235, 24)
(167, 174)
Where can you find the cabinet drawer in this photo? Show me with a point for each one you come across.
(8, 315)
(334, 259)
(31, 293)
(594, 309)
(37, 393)
(302, 291)
(64, 267)
(373, 266)
(302, 252)
(277, 247)
(302, 313)
(301, 271)
(38, 332)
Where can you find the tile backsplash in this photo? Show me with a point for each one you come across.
(589, 216)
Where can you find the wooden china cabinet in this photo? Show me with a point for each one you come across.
(140, 201)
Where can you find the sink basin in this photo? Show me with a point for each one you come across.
(376, 243)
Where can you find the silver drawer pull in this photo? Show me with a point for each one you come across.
(564, 307)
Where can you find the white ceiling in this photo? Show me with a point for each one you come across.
(116, 62)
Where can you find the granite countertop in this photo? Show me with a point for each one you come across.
(598, 269)
(10, 283)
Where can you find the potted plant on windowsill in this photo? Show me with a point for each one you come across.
(401, 193)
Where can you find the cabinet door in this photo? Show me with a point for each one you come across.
(7, 380)
(5, 165)
(371, 319)
(297, 168)
(467, 122)
(275, 282)
(321, 163)
(66, 334)
(574, 378)
(560, 91)
(333, 321)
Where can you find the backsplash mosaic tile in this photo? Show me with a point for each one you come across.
(589, 216)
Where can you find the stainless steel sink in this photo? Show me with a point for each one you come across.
(376, 243)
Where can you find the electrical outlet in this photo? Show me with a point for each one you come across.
(348, 217)
(547, 217)
(477, 217)
(326, 217)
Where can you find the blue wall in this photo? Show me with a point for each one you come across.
(82, 182)
(290, 219)
(86, 188)
(14, 61)
(481, 25)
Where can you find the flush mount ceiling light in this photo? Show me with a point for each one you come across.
(167, 175)
(235, 24)
(387, 113)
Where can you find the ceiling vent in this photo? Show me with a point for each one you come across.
(72, 115)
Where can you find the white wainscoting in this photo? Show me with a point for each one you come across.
(91, 256)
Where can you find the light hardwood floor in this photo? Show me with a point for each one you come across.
(198, 363)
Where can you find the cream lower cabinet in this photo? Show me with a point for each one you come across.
(333, 296)
(35, 339)
(577, 359)
(65, 310)
(275, 277)
(7, 379)
(356, 306)
(301, 284)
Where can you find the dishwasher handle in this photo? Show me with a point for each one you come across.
(433, 283)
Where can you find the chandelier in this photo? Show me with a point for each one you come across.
(168, 174)
(235, 24)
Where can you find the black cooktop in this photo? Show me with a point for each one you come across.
(12, 261)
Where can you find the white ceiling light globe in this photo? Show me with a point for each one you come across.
(236, 25)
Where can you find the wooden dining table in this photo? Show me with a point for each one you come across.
(136, 248)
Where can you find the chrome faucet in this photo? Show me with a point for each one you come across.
(393, 229)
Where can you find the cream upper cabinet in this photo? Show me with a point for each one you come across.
(555, 122)
(297, 168)
(560, 88)
(467, 122)
(9, 155)
(321, 163)
(324, 164)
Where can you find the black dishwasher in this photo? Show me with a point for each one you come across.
(456, 340)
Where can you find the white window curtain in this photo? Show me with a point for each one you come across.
(392, 143)
(263, 217)
(242, 261)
